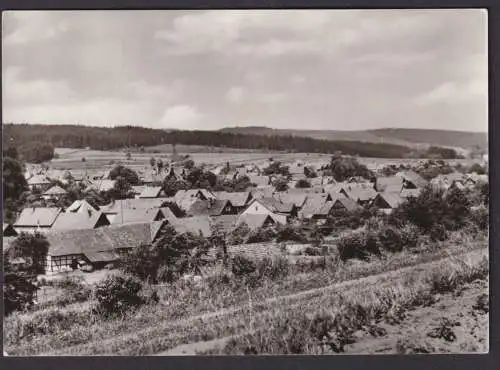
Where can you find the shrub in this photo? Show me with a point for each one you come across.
(313, 251)
(242, 266)
(394, 239)
(117, 294)
(261, 235)
(275, 268)
(358, 244)
(438, 233)
(19, 291)
(480, 217)
(290, 232)
(302, 183)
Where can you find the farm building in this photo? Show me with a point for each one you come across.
(140, 215)
(298, 198)
(412, 180)
(185, 198)
(196, 225)
(152, 192)
(137, 190)
(101, 185)
(81, 206)
(54, 192)
(239, 200)
(265, 192)
(341, 204)
(37, 219)
(386, 202)
(280, 212)
(8, 230)
(226, 223)
(118, 205)
(445, 181)
(259, 181)
(256, 221)
(152, 178)
(38, 182)
(408, 193)
(313, 204)
(80, 220)
(211, 207)
(362, 196)
(96, 246)
(390, 184)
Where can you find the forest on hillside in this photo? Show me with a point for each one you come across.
(104, 138)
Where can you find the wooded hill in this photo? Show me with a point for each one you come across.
(101, 138)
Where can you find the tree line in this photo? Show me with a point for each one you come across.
(104, 138)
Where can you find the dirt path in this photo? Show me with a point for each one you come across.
(193, 348)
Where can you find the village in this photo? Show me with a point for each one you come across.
(87, 236)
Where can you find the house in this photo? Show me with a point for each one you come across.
(386, 202)
(96, 246)
(256, 221)
(362, 196)
(198, 225)
(118, 205)
(137, 190)
(412, 180)
(342, 204)
(280, 212)
(211, 207)
(313, 204)
(80, 220)
(259, 181)
(152, 192)
(39, 182)
(409, 193)
(298, 198)
(8, 230)
(101, 185)
(55, 192)
(225, 223)
(37, 219)
(239, 199)
(139, 215)
(389, 184)
(264, 192)
(185, 198)
(81, 206)
(445, 181)
(152, 178)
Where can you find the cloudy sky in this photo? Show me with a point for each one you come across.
(314, 69)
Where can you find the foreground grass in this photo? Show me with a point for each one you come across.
(154, 328)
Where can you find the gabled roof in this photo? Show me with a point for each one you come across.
(81, 206)
(129, 216)
(389, 184)
(313, 204)
(151, 192)
(226, 222)
(38, 180)
(109, 238)
(41, 216)
(167, 213)
(193, 225)
(255, 221)
(138, 189)
(55, 190)
(360, 194)
(407, 193)
(258, 180)
(347, 203)
(237, 199)
(392, 199)
(79, 220)
(297, 198)
(101, 185)
(414, 178)
(275, 205)
(8, 230)
(265, 192)
(144, 203)
(209, 207)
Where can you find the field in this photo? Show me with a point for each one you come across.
(213, 317)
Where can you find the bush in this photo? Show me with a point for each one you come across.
(290, 232)
(301, 184)
(394, 239)
(358, 244)
(480, 217)
(275, 268)
(117, 294)
(313, 251)
(261, 235)
(242, 266)
(438, 233)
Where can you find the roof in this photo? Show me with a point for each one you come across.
(258, 180)
(66, 242)
(38, 180)
(407, 193)
(275, 205)
(185, 198)
(138, 189)
(81, 206)
(79, 220)
(237, 199)
(129, 216)
(55, 190)
(103, 256)
(226, 222)
(167, 213)
(392, 199)
(151, 192)
(8, 230)
(101, 185)
(348, 204)
(255, 221)
(208, 207)
(389, 184)
(413, 177)
(265, 192)
(41, 216)
(313, 204)
(194, 225)
(360, 194)
(297, 198)
(7, 242)
(140, 203)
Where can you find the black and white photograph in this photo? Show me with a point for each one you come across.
(245, 182)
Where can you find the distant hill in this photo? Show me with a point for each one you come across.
(398, 136)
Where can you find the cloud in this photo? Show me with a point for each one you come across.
(180, 116)
(453, 92)
(236, 94)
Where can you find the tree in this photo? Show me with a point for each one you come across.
(159, 165)
(281, 184)
(33, 248)
(301, 184)
(171, 186)
(342, 168)
(122, 189)
(188, 164)
(121, 171)
(19, 289)
(152, 161)
(14, 183)
(12, 152)
(116, 294)
(129, 156)
(309, 173)
(143, 262)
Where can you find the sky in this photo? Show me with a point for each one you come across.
(288, 69)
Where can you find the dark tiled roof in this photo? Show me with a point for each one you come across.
(41, 216)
